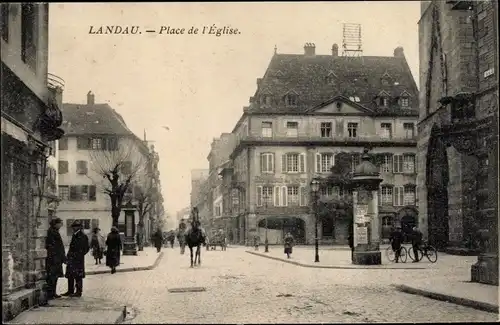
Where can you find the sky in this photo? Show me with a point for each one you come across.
(197, 85)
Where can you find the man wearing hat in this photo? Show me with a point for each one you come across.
(56, 256)
(396, 241)
(75, 266)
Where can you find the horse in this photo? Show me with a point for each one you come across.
(195, 237)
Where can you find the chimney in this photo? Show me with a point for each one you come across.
(309, 49)
(335, 50)
(90, 98)
(399, 52)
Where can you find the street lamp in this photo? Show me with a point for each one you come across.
(266, 242)
(314, 190)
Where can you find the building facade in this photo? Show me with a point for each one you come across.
(201, 195)
(307, 109)
(458, 134)
(30, 130)
(97, 138)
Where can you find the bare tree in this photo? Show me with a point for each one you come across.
(118, 163)
(146, 196)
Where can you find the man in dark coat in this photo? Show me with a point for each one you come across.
(56, 256)
(416, 242)
(158, 239)
(75, 269)
(396, 241)
(350, 239)
(115, 246)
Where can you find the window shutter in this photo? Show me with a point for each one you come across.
(262, 162)
(284, 195)
(259, 196)
(380, 196)
(92, 193)
(276, 193)
(318, 163)
(302, 163)
(73, 193)
(401, 195)
(84, 190)
(395, 164)
(395, 190)
(271, 163)
(302, 196)
(283, 163)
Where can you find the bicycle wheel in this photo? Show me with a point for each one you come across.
(390, 254)
(403, 254)
(411, 253)
(432, 254)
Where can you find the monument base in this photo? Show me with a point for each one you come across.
(367, 258)
(485, 270)
(129, 247)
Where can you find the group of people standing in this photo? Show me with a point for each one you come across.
(74, 259)
(398, 237)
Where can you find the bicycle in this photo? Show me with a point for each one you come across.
(425, 250)
(391, 255)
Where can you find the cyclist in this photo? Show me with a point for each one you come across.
(416, 241)
(396, 239)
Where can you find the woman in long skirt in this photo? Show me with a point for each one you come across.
(113, 251)
(97, 244)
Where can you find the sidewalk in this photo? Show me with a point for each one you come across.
(332, 258)
(84, 310)
(145, 260)
(458, 290)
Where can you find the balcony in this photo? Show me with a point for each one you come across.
(55, 82)
(51, 119)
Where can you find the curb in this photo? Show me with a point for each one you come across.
(335, 266)
(130, 269)
(484, 306)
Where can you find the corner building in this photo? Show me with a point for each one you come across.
(306, 110)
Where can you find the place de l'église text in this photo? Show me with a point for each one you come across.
(163, 30)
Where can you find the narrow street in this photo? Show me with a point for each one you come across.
(241, 287)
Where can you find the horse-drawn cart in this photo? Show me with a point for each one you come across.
(217, 239)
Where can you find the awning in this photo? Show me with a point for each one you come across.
(14, 130)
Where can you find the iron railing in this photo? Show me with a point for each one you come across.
(54, 81)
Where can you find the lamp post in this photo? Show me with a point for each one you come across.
(266, 242)
(314, 190)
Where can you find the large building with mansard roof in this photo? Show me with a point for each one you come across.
(306, 110)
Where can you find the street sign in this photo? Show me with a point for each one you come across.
(362, 235)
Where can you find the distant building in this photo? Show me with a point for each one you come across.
(29, 131)
(96, 127)
(183, 214)
(200, 194)
(307, 109)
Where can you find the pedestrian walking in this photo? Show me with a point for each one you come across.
(114, 248)
(172, 239)
(158, 240)
(56, 256)
(288, 244)
(75, 267)
(350, 239)
(416, 242)
(396, 239)
(256, 242)
(97, 244)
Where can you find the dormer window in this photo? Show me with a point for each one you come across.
(266, 100)
(291, 99)
(330, 78)
(405, 102)
(279, 74)
(383, 99)
(385, 82)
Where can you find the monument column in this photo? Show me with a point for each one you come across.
(365, 183)
(129, 245)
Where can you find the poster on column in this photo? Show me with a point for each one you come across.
(362, 235)
(359, 213)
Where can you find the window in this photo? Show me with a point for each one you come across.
(82, 193)
(384, 101)
(330, 191)
(217, 211)
(5, 21)
(293, 195)
(264, 195)
(409, 195)
(267, 162)
(126, 168)
(386, 195)
(387, 221)
(409, 130)
(63, 167)
(29, 37)
(352, 130)
(326, 130)
(385, 81)
(81, 167)
(63, 143)
(291, 100)
(293, 163)
(397, 164)
(83, 143)
(64, 192)
(398, 196)
(292, 129)
(324, 162)
(266, 100)
(355, 161)
(97, 144)
(405, 102)
(386, 163)
(408, 164)
(111, 144)
(267, 129)
(386, 130)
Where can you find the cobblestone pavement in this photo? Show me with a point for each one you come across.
(241, 287)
